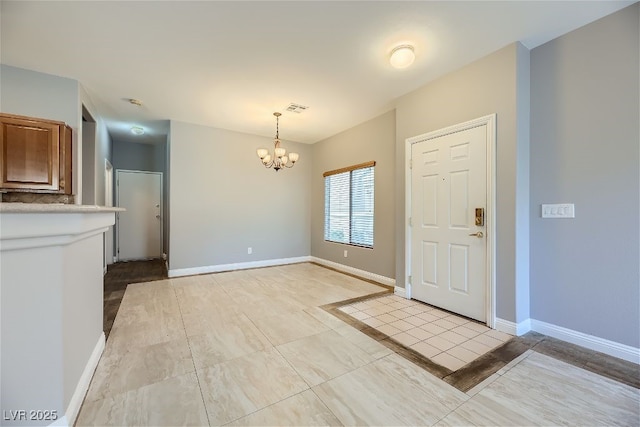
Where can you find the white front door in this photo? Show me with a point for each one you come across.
(448, 249)
(140, 226)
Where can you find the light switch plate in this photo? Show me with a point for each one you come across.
(559, 210)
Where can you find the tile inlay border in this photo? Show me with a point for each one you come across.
(478, 370)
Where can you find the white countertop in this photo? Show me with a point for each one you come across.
(55, 208)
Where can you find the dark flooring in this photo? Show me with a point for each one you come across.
(121, 274)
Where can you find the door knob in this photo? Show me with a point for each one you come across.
(479, 234)
(158, 216)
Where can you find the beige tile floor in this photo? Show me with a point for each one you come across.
(253, 348)
(449, 340)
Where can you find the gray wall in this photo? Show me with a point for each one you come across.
(223, 200)
(29, 93)
(584, 150)
(372, 140)
(101, 150)
(34, 94)
(484, 87)
(88, 163)
(142, 157)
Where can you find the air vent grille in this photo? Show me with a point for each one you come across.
(296, 108)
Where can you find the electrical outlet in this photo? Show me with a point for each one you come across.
(249, 251)
(345, 253)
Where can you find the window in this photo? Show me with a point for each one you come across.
(348, 205)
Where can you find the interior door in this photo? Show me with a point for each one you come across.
(140, 226)
(448, 184)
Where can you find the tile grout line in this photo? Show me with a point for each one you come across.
(337, 305)
(195, 370)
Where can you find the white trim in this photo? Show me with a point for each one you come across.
(490, 123)
(83, 383)
(355, 271)
(401, 292)
(407, 290)
(513, 328)
(236, 266)
(20, 243)
(612, 348)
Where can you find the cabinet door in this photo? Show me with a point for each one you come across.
(30, 154)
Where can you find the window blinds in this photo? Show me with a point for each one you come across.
(349, 208)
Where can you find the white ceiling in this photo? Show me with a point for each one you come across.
(232, 64)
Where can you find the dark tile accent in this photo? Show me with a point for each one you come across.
(472, 374)
(510, 350)
(475, 372)
(119, 276)
(599, 363)
(373, 282)
(416, 358)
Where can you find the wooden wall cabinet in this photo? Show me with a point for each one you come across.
(35, 155)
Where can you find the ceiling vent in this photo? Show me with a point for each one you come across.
(296, 108)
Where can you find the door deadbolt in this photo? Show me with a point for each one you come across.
(479, 217)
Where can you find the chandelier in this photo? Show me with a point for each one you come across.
(279, 159)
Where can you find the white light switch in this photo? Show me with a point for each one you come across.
(559, 210)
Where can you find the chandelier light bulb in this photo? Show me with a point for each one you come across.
(402, 56)
(262, 152)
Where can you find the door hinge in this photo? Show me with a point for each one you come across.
(410, 163)
(410, 222)
(409, 280)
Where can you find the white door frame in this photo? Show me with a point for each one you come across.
(108, 201)
(490, 280)
(117, 232)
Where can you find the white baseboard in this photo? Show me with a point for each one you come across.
(83, 384)
(602, 345)
(401, 292)
(612, 348)
(355, 271)
(513, 328)
(236, 266)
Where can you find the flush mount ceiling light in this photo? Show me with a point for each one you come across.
(402, 56)
(279, 159)
(137, 130)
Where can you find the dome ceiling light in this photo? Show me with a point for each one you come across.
(402, 56)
